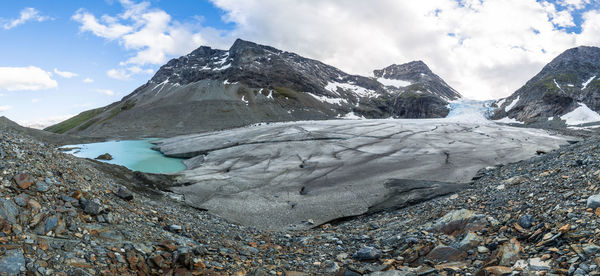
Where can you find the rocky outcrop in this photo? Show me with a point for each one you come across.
(417, 91)
(569, 81)
(417, 77)
(212, 89)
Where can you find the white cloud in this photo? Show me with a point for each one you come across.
(108, 29)
(139, 70)
(27, 14)
(106, 92)
(149, 32)
(35, 100)
(590, 29)
(5, 108)
(25, 78)
(127, 73)
(484, 49)
(575, 4)
(118, 74)
(88, 80)
(559, 18)
(65, 74)
(45, 122)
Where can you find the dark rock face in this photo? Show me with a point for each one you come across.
(425, 94)
(570, 79)
(124, 193)
(105, 156)
(420, 77)
(212, 89)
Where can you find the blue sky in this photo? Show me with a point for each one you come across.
(63, 57)
(58, 43)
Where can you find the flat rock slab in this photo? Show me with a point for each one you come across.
(301, 174)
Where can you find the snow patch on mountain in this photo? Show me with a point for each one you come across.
(585, 84)
(513, 103)
(394, 83)
(501, 102)
(352, 116)
(223, 59)
(357, 90)
(581, 115)
(507, 120)
(222, 67)
(328, 100)
(556, 83)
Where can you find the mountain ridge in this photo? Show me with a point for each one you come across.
(211, 89)
(564, 84)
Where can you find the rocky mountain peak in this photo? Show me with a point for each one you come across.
(404, 71)
(582, 59)
(250, 83)
(415, 76)
(581, 53)
(244, 45)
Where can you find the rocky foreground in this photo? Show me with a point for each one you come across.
(63, 215)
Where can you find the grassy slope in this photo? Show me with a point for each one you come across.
(71, 123)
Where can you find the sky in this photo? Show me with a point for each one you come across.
(59, 58)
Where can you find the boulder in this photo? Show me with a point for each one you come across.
(367, 253)
(9, 210)
(446, 254)
(459, 221)
(92, 207)
(509, 252)
(23, 180)
(537, 264)
(593, 201)
(105, 156)
(498, 270)
(124, 193)
(12, 262)
(526, 221)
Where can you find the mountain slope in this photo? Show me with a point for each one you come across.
(212, 89)
(416, 91)
(568, 82)
(45, 136)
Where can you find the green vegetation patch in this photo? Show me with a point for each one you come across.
(285, 92)
(115, 111)
(73, 122)
(414, 91)
(87, 124)
(595, 85)
(548, 84)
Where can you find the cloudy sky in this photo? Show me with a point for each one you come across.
(63, 57)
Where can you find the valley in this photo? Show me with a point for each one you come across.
(258, 161)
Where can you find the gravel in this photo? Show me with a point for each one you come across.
(80, 226)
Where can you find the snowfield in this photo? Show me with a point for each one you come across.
(512, 104)
(394, 83)
(581, 115)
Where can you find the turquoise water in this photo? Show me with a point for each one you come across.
(136, 155)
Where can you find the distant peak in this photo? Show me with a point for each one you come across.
(417, 66)
(202, 50)
(240, 43)
(581, 52)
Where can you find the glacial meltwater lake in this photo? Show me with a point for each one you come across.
(136, 155)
